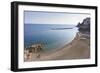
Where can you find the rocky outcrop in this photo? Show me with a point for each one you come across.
(84, 27)
(33, 51)
(35, 48)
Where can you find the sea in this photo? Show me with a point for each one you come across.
(52, 36)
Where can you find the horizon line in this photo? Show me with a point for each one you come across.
(47, 24)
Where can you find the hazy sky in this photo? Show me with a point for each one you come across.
(36, 17)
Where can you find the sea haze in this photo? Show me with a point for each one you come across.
(52, 36)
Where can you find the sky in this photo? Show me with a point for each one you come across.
(40, 17)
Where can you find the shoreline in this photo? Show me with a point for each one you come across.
(78, 48)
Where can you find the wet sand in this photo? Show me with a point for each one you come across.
(78, 48)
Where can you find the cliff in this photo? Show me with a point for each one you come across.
(84, 27)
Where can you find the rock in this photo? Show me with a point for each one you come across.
(35, 48)
(84, 27)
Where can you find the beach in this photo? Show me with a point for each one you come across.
(78, 48)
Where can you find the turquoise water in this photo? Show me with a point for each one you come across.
(50, 35)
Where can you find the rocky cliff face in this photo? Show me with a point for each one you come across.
(84, 27)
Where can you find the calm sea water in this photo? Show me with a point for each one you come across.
(50, 35)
